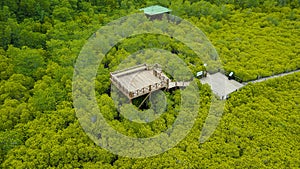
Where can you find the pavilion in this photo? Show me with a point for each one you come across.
(155, 12)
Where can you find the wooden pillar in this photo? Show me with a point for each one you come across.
(167, 83)
(130, 95)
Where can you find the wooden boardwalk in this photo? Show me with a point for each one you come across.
(178, 84)
(144, 79)
(271, 77)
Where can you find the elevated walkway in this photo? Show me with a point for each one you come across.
(178, 84)
(271, 77)
(143, 79)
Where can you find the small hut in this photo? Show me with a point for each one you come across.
(155, 12)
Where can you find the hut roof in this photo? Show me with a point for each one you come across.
(155, 10)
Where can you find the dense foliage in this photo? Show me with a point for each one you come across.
(39, 43)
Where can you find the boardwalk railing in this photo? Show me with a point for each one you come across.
(130, 70)
(121, 87)
(159, 74)
(153, 87)
(147, 89)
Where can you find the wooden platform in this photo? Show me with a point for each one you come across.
(139, 80)
(220, 84)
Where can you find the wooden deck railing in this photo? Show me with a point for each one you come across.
(147, 89)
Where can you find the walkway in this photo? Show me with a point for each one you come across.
(222, 87)
(271, 77)
(178, 84)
